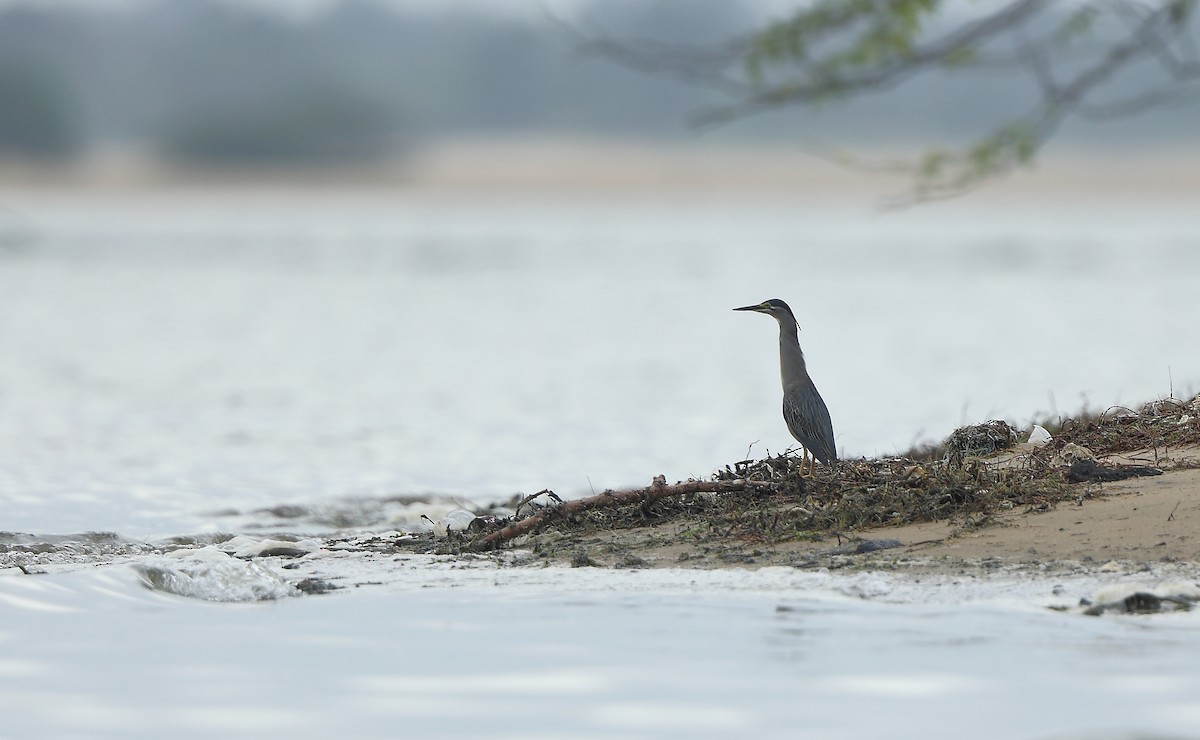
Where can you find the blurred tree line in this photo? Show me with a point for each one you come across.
(212, 81)
(36, 115)
(208, 81)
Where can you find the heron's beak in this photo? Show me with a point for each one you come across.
(760, 308)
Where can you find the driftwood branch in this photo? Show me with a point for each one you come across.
(656, 490)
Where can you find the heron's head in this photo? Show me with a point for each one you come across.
(772, 307)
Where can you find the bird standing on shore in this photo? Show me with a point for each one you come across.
(803, 408)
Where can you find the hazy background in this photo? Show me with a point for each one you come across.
(378, 82)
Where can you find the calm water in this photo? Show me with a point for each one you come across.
(163, 357)
(170, 364)
(430, 650)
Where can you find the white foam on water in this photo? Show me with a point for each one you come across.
(210, 574)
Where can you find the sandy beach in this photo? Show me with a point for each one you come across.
(1125, 526)
(1121, 526)
(1143, 520)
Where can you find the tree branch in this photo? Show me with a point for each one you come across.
(841, 49)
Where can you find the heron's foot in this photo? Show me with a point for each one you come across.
(810, 462)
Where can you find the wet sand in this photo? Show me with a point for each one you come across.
(1141, 520)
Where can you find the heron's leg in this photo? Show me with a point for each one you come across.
(804, 462)
(812, 466)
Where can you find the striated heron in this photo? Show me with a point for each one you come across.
(803, 408)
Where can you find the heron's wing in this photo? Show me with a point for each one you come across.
(808, 420)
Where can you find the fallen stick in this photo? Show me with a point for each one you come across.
(656, 490)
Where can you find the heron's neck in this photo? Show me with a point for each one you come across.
(791, 359)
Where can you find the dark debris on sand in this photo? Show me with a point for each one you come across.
(975, 474)
(856, 494)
